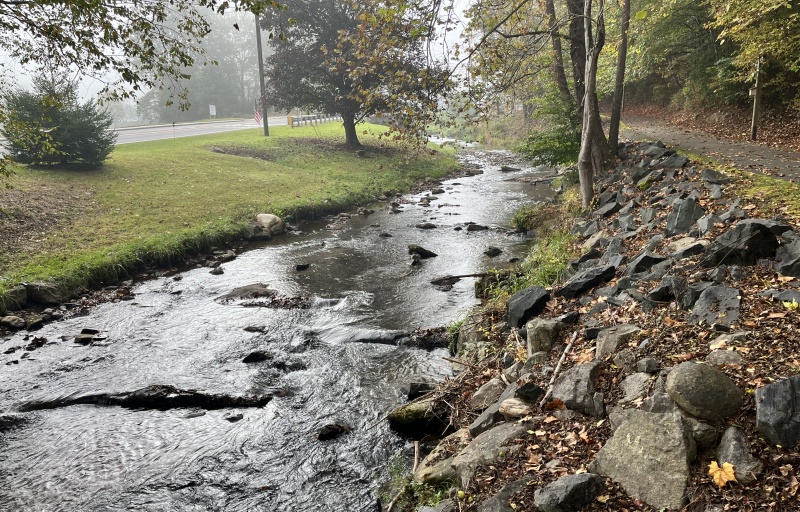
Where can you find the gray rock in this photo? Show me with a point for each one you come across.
(635, 386)
(649, 456)
(683, 217)
(16, 297)
(445, 506)
(421, 251)
(487, 448)
(476, 227)
(643, 262)
(34, 322)
(648, 365)
(607, 210)
(717, 305)
(782, 295)
(689, 297)
(703, 434)
(418, 418)
(492, 414)
(270, 224)
(778, 411)
(426, 225)
(617, 415)
(437, 467)
(487, 394)
(713, 177)
(788, 259)
(611, 338)
(529, 392)
(745, 243)
(12, 322)
(541, 334)
(525, 304)
(659, 402)
(724, 358)
(686, 247)
(675, 161)
(704, 391)
(706, 223)
(625, 360)
(576, 388)
(670, 287)
(586, 280)
(500, 502)
(45, 293)
(655, 151)
(569, 493)
(735, 448)
(647, 215)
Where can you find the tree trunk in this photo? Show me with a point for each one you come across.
(558, 57)
(590, 158)
(350, 133)
(616, 107)
(577, 52)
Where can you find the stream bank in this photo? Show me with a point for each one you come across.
(266, 384)
(660, 373)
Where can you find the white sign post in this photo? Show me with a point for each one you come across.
(212, 109)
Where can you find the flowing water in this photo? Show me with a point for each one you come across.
(92, 457)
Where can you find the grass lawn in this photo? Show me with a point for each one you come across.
(158, 201)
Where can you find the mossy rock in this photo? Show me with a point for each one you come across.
(417, 419)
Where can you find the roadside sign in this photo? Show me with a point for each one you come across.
(212, 109)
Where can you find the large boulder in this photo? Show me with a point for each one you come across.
(270, 223)
(45, 293)
(745, 243)
(649, 455)
(492, 414)
(788, 257)
(488, 447)
(717, 305)
(576, 388)
(569, 493)
(703, 391)
(16, 298)
(586, 280)
(525, 304)
(644, 261)
(778, 411)
(436, 467)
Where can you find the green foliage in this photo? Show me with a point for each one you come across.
(410, 493)
(49, 126)
(556, 146)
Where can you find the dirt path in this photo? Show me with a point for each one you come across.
(747, 156)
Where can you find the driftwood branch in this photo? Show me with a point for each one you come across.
(551, 384)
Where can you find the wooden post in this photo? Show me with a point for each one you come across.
(261, 79)
(755, 92)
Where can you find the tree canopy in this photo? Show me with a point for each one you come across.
(354, 59)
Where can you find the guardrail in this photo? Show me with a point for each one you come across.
(311, 119)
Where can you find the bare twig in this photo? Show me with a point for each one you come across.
(463, 363)
(558, 367)
(416, 457)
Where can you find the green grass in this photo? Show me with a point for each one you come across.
(155, 202)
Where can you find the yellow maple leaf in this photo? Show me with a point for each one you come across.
(721, 475)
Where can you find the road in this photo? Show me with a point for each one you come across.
(158, 132)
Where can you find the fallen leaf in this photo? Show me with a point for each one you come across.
(550, 419)
(721, 475)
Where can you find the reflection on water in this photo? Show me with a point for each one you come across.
(107, 458)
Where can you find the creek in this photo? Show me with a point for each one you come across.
(323, 365)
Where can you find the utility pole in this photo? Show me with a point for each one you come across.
(261, 79)
(755, 92)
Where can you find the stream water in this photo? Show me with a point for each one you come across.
(92, 458)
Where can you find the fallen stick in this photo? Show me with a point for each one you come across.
(456, 361)
(416, 457)
(551, 384)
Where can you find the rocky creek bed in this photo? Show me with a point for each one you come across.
(255, 379)
(662, 374)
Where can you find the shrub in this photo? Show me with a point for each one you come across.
(49, 126)
(559, 145)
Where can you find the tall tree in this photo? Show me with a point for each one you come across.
(619, 79)
(353, 59)
(591, 155)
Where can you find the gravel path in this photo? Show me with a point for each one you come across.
(747, 156)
